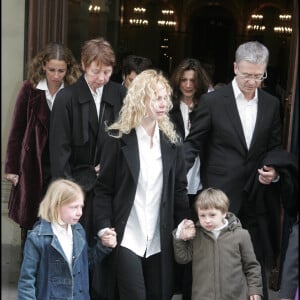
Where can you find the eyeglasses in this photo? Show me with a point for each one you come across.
(247, 76)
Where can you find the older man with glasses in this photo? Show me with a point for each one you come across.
(235, 127)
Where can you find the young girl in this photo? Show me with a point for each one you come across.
(55, 263)
(223, 261)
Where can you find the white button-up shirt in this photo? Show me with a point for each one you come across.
(193, 175)
(247, 111)
(42, 85)
(65, 238)
(142, 231)
(97, 96)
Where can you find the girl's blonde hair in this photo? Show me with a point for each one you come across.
(142, 89)
(212, 198)
(60, 192)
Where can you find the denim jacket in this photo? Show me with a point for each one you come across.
(45, 272)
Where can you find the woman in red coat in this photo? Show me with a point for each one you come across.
(27, 157)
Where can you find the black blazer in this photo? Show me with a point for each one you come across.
(74, 125)
(116, 188)
(176, 118)
(217, 134)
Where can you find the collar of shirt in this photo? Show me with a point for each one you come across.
(142, 233)
(185, 110)
(65, 238)
(61, 230)
(98, 92)
(43, 86)
(185, 107)
(216, 232)
(143, 136)
(247, 111)
(96, 95)
(240, 96)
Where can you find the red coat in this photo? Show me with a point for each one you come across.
(26, 144)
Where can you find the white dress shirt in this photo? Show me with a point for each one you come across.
(42, 85)
(97, 96)
(247, 110)
(193, 175)
(142, 231)
(65, 238)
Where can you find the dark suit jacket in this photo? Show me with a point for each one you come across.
(26, 147)
(116, 188)
(74, 125)
(265, 201)
(217, 134)
(176, 118)
(77, 136)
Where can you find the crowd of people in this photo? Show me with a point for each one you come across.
(150, 187)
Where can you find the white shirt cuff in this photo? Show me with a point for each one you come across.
(178, 230)
(276, 179)
(101, 232)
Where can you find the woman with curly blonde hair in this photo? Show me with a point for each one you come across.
(133, 111)
(141, 190)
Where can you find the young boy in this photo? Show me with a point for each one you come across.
(223, 261)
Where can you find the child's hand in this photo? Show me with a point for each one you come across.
(255, 297)
(97, 169)
(188, 230)
(109, 238)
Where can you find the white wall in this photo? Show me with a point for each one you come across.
(12, 57)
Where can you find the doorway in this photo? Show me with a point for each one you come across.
(212, 32)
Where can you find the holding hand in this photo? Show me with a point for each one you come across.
(187, 230)
(97, 169)
(109, 238)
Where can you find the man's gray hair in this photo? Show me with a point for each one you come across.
(252, 52)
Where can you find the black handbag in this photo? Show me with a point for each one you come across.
(85, 176)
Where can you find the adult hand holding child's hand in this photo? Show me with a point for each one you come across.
(109, 238)
(188, 230)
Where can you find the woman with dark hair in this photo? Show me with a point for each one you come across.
(189, 81)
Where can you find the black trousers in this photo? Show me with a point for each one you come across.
(186, 269)
(251, 224)
(138, 278)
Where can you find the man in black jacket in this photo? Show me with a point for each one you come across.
(235, 127)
